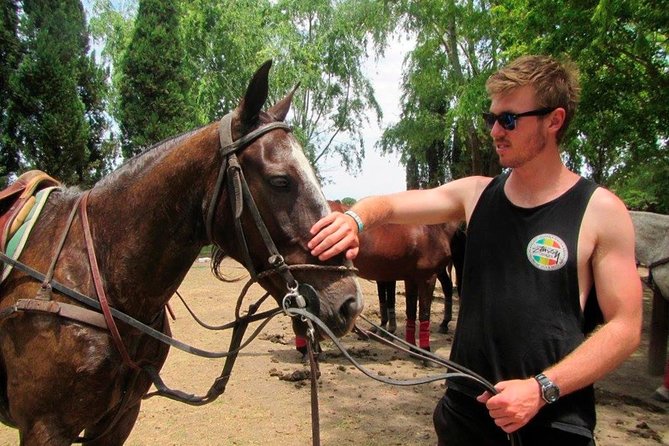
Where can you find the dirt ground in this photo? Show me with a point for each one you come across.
(260, 408)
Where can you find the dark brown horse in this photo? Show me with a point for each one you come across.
(149, 220)
(413, 253)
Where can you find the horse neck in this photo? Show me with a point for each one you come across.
(148, 225)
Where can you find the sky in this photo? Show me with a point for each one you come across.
(380, 173)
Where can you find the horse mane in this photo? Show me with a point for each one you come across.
(137, 162)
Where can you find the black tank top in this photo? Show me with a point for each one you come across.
(520, 310)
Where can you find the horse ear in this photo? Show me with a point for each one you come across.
(279, 111)
(255, 97)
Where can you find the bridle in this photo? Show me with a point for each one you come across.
(241, 198)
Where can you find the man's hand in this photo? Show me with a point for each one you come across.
(517, 402)
(334, 234)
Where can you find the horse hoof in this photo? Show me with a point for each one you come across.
(443, 328)
(375, 329)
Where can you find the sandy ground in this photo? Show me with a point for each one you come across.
(261, 408)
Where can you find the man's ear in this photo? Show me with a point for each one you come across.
(557, 118)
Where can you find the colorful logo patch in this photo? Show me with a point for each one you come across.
(547, 252)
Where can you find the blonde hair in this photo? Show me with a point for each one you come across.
(555, 83)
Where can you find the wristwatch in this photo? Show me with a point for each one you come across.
(549, 391)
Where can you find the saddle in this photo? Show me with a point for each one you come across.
(17, 200)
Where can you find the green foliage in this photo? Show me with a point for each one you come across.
(55, 112)
(439, 133)
(621, 50)
(10, 53)
(111, 28)
(326, 43)
(320, 45)
(348, 201)
(619, 136)
(153, 88)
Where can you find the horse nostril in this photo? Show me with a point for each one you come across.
(351, 308)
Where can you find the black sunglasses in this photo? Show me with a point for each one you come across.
(508, 120)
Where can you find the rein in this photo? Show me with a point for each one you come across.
(459, 371)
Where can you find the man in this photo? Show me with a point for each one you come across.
(540, 240)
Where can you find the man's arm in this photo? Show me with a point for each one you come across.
(453, 201)
(619, 295)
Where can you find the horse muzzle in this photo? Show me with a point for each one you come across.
(339, 316)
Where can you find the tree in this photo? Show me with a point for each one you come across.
(225, 42)
(327, 42)
(153, 86)
(10, 53)
(319, 44)
(54, 116)
(440, 134)
(620, 133)
(348, 201)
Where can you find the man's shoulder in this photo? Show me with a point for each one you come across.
(604, 202)
(607, 216)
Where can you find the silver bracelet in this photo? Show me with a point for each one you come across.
(358, 220)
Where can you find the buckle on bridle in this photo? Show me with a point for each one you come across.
(293, 299)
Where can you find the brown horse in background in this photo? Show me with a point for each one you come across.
(149, 220)
(413, 253)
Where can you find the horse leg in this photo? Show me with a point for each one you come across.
(382, 290)
(102, 435)
(425, 292)
(390, 305)
(43, 432)
(447, 287)
(412, 302)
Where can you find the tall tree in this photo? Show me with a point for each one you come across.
(153, 87)
(327, 42)
(320, 44)
(225, 42)
(10, 52)
(54, 116)
(440, 129)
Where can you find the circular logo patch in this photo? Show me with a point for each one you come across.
(547, 252)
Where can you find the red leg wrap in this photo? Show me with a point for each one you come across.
(300, 342)
(410, 333)
(424, 335)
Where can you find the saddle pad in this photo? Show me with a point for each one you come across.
(20, 237)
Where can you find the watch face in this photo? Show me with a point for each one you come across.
(551, 394)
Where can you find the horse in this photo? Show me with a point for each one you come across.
(147, 222)
(652, 251)
(414, 253)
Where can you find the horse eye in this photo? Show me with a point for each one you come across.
(280, 182)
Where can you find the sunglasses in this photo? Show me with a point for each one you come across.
(508, 120)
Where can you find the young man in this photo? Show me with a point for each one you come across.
(540, 241)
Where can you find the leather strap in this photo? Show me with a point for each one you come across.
(99, 288)
(63, 309)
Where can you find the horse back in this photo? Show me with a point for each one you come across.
(404, 252)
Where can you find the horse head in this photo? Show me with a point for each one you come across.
(270, 173)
